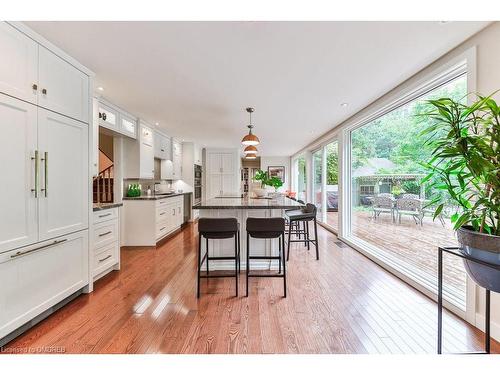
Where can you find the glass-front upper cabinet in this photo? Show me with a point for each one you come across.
(128, 125)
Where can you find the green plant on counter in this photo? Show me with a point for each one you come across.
(264, 179)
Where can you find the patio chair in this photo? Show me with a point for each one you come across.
(412, 205)
(383, 203)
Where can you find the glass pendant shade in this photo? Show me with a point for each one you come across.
(250, 150)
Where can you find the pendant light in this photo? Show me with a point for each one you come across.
(250, 139)
(249, 150)
(251, 156)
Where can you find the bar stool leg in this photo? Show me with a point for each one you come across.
(207, 254)
(236, 261)
(239, 253)
(248, 262)
(199, 268)
(316, 238)
(306, 238)
(282, 246)
(288, 250)
(279, 254)
(306, 227)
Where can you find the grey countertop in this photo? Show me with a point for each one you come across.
(280, 202)
(105, 206)
(153, 197)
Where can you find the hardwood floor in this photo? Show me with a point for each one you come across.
(343, 303)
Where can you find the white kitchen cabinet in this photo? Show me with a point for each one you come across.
(108, 117)
(139, 154)
(198, 160)
(105, 242)
(222, 172)
(177, 159)
(128, 125)
(63, 148)
(39, 276)
(62, 88)
(18, 144)
(163, 146)
(18, 65)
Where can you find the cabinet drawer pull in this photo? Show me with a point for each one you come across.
(105, 233)
(162, 213)
(35, 190)
(105, 215)
(162, 228)
(45, 160)
(105, 258)
(19, 253)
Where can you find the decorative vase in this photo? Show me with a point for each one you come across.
(485, 247)
(260, 192)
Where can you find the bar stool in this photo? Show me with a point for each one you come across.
(218, 228)
(295, 227)
(304, 215)
(267, 228)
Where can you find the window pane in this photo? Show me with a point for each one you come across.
(301, 178)
(388, 200)
(317, 179)
(332, 185)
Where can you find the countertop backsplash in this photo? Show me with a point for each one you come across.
(162, 186)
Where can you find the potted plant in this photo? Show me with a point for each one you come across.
(263, 177)
(466, 164)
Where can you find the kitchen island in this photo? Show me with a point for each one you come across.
(241, 209)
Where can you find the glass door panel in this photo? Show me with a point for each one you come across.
(317, 185)
(332, 184)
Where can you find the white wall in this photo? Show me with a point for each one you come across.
(486, 80)
(273, 161)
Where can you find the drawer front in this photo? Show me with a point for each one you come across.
(106, 257)
(105, 215)
(162, 229)
(162, 213)
(105, 233)
(162, 202)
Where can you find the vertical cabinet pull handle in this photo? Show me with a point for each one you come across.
(44, 91)
(45, 160)
(35, 190)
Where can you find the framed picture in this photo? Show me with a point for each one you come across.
(278, 171)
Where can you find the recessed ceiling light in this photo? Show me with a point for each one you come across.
(443, 22)
(100, 88)
(344, 104)
(157, 123)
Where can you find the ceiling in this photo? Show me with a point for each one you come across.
(196, 78)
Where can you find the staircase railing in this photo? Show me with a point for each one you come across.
(104, 182)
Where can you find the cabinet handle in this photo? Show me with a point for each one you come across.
(106, 258)
(45, 159)
(105, 215)
(104, 116)
(44, 91)
(162, 213)
(105, 233)
(173, 212)
(34, 87)
(19, 253)
(162, 228)
(35, 190)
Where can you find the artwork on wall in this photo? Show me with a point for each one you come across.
(278, 171)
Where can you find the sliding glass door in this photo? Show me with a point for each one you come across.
(332, 185)
(317, 182)
(389, 212)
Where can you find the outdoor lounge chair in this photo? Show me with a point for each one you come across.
(383, 203)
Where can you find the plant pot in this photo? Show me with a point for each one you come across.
(485, 247)
(260, 192)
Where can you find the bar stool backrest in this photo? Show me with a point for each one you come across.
(217, 225)
(263, 227)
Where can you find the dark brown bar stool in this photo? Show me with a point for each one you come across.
(218, 228)
(267, 228)
(305, 216)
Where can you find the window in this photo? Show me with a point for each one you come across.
(299, 181)
(332, 184)
(388, 211)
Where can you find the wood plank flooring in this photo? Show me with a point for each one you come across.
(343, 303)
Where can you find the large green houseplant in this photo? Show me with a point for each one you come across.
(265, 180)
(466, 164)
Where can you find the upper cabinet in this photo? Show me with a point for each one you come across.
(163, 147)
(30, 72)
(139, 154)
(113, 118)
(18, 65)
(62, 88)
(177, 159)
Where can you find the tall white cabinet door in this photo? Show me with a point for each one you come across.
(214, 164)
(227, 163)
(214, 186)
(18, 64)
(63, 88)
(64, 199)
(147, 161)
(228, 185)
(18, 221)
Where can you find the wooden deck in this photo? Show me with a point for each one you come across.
(411, 243)
(343, 303)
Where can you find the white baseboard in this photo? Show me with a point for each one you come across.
(494, 326)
